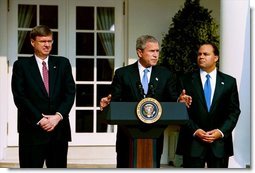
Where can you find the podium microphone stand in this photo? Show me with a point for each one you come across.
(145, 121)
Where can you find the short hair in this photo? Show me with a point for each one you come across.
(142, 40)
(215, 48)
(40, 30)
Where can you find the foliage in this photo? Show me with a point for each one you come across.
(192, 25)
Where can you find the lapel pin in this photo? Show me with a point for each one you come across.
(54, 67)
(222, 83)
(156, 79)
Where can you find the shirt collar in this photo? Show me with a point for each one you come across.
(39, 60)
(141, 68)
(212, 74)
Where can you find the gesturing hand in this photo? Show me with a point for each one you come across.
(185, 98)
(105, 101)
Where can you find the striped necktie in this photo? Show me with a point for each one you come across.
(45, 76)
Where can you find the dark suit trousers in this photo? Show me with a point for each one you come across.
(33, 156)
(209, 161)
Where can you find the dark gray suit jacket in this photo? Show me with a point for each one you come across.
(31, 98)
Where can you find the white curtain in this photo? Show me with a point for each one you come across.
(105, 21)
(25, 16)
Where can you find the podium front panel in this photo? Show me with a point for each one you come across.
(124, 113)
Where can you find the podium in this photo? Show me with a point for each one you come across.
(143, 152)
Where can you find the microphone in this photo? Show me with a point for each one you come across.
(152, 90)
(140, 89)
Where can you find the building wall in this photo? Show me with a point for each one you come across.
(3, 75)
(154, 17)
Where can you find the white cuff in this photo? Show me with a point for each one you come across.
(59, 114)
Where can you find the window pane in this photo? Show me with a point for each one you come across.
(84, 69)
(105, 69)
(49, 16)
(84, 121)
(101, 123)
(54, 50)
(85, 18)
(26, 16)
(102, 91)
(84, 44)
(84, 95)
(24, 45)
(105, 18)
(105, 44)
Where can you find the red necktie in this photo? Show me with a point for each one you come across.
(45, 76)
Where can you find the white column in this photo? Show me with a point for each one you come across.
(235, 61)
(3, 78)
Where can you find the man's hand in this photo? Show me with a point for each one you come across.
(105, 101)
(49, 122)
(185, 98)
(209, 136)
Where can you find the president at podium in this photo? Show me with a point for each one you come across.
(137, 81)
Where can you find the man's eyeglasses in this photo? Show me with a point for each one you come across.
(45, 41)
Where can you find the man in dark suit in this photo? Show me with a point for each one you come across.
(127, 87)
(44, 98)
(207, 137)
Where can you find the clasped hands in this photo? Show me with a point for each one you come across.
(49, 122)
(209, 136)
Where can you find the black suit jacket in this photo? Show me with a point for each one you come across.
(125, 87)
(223, 115)
(31, 98)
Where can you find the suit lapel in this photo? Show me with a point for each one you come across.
(198, 88)
(134, 79)
(52, 73)
(218, 90)
(154, 76)
(36, 75)
(153, 81)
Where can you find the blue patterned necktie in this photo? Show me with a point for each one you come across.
(207, 92)
(145, 82)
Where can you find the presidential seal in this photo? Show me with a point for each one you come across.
(148, 110)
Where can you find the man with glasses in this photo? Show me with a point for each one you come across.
(43, 89)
